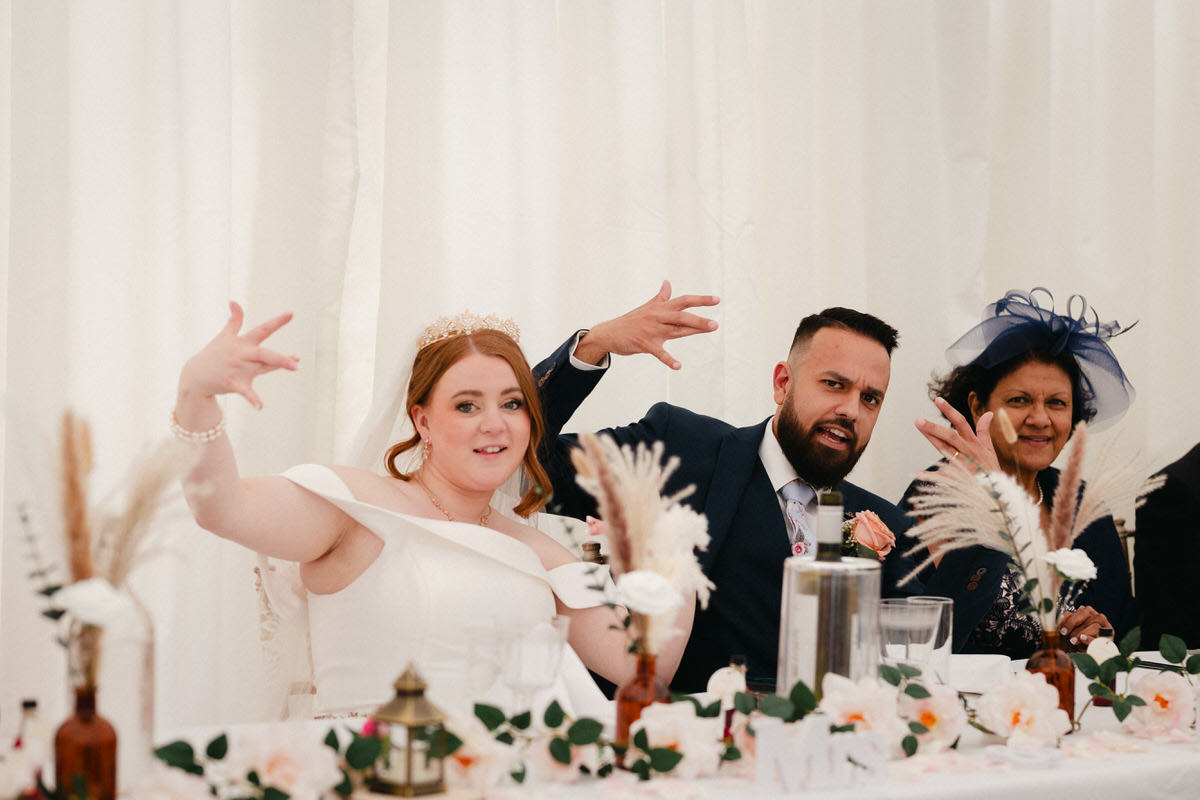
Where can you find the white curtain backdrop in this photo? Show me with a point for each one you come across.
(372, 165)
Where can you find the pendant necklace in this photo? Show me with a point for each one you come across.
(483, 520)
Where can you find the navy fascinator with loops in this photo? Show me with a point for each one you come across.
(1021, 322)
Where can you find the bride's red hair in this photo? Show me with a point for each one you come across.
(431, 363)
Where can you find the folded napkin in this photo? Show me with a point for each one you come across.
(978, 672)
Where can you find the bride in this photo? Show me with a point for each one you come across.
(417, 565)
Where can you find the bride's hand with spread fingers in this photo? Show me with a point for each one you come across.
(959, 439)
(232, 360)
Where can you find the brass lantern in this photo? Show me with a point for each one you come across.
(416, 765)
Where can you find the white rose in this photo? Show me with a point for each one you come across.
(675, 726)
(288, 758)
(1074, 565)
(1024, 709)
(645, 592)
(93, 601)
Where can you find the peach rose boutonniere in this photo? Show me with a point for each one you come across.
(865, 535)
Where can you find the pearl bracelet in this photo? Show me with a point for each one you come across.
(197, 437)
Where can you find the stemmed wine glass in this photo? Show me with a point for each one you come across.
(531, 657)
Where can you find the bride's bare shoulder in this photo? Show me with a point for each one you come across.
(549, 551)
(375, 489)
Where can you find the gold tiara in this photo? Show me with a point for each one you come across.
(467, 323)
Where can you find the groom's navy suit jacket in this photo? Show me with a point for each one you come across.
(749, 539)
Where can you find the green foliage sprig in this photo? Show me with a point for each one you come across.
(1103, 675)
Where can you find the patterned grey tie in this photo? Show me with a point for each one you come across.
(797, 495)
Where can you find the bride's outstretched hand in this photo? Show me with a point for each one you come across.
(959, 439)
(647, 328)
(232, 360)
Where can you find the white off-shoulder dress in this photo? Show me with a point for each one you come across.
(446, 596)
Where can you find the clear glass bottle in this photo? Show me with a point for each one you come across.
(829, 612)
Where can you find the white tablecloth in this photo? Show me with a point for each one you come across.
(1161, 771)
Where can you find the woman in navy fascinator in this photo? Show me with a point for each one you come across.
(1046, 371)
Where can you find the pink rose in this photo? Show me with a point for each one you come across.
(870, 531)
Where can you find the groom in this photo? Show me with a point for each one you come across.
(828, 393)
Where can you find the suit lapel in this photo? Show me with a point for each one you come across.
(736, 462)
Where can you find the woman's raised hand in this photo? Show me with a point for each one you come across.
(232, 360)
(959, 439)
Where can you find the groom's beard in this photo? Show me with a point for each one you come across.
(817, 464)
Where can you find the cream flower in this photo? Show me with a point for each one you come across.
(1073, 565)
(288, 758)
(167, 783)
(1024, 709)
(1169, 704)
(942, 713)
(93, 601)
(645, 592)
(867, 704)
(676, 726)
(481, 763)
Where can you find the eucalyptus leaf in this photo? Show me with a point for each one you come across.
(663, 759)
(890, 674)
(180, 755)
(363, 751)
(585, 731)
(909, 743)
(917, 727)
(505, 737)
(916, 691)
(331, 741)
(522, 721)
(640, 740)
(1086, 664)
(1130, 642)
(271, 793)
(554, 715)
(217, 748)
(1172, 648)
(1134, 700)
(803, 699)
(731, 753)
(490, 716)
(745, 702)
(1193, 664)
(641, 768)
(518, 774)
(1121, 709)
(346, 787)
(560, 750)
(775, 706)
(908, 671)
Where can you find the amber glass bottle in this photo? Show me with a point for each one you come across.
(85, 748)
(644, 688)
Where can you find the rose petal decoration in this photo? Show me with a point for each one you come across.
(870, 531)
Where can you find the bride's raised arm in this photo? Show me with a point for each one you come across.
(271, 514)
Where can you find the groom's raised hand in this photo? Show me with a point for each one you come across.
(647, 328)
